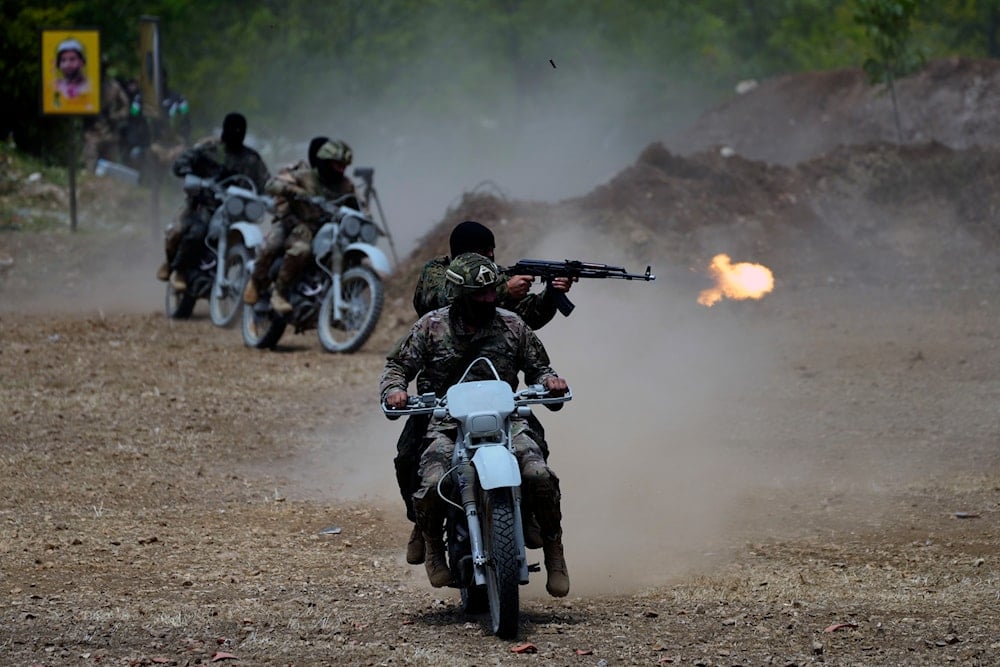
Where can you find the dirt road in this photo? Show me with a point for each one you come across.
(778, 482)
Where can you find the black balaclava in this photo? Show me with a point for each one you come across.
(476, 313)
(234, 130)
(470, 236)
(330, 172)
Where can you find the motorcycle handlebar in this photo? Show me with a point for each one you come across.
(427, 403)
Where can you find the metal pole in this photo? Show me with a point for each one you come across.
(385, 223)
(153, 170)
(71, 164)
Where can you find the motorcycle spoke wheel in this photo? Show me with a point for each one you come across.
(363, 294)
(261, 328)
(179, 305)
(503, 573)
(225, 306)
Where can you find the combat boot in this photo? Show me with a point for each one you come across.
(557, 583)
(163, 273)
(415, 547)
(278, 301)
(280, 304)
(436, 564)
(177, 282)
(250, 295)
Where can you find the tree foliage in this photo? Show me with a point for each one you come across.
(476, 63)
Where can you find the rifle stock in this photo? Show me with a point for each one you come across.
(547, 270)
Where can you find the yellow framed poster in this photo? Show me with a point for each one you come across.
(71, 72)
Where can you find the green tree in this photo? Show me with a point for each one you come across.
(888, 24)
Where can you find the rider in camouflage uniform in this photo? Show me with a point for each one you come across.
(436, 351)
(433, 292)
(296, 219)
(215, 159)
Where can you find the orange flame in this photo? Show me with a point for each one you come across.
(736, 281)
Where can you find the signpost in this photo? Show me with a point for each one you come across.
(151, 86)
(71, 86)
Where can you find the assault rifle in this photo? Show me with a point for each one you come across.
(571, 268)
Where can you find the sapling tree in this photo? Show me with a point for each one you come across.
(888, 25)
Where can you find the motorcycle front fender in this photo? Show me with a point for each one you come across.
(496, 467)
(377, 258)
(250, 233)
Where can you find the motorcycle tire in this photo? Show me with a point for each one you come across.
(363, 293)
(225, 307)
(179, 305)
(503, 572)
(262, 328)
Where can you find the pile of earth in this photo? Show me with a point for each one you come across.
(867, 214)
(792, 118)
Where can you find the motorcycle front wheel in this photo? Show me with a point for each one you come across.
(225, 302)
(503, 573)
(262, 327)
(362, 294)
(179, 305)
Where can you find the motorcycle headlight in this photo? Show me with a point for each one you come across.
(253, 211)
(350, 226)
(234, 207)
(369, 232)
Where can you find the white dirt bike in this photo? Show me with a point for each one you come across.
(483, 529)
(230, 244)
(340, 294)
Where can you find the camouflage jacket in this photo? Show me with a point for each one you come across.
(537, 309)
(210, 159)
(439, 353)
(298, 181)
(114, 101)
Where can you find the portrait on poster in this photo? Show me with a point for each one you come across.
(71, 72)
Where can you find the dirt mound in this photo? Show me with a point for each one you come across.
(796, 117)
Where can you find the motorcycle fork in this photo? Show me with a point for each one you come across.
(220, 263)
(519, 534)
(467, 488)
(338, 298)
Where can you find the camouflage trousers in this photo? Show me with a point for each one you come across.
(412, 443)
(101, 141)
(294, 239)
(539, 484)
(184, 242)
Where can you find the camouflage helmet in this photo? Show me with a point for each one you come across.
(470, 272)
(335, 150)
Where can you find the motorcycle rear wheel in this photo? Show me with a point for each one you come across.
(225, 307)
(179, 305)
(503, 573)
(262, 328)
(363, 294)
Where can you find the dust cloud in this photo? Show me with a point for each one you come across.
(84, 273)
(648, 451)
(439, 131)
